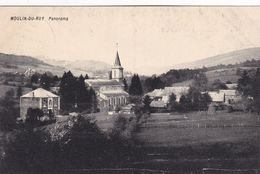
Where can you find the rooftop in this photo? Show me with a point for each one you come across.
(39, 93)
(177, 90)
(101, 82)
(216, 96)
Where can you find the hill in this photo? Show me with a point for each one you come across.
(225, 59)
(19, 64)
(20, 60)
(91, 67)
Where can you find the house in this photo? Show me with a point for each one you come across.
(164, 94)
(216, 96)
(231, 86)
(42, 99)
(231, 96)
(160, 97)
(110, 92)
(227, 96)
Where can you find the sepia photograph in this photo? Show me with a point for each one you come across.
(130, 89)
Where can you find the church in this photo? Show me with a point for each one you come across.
(110, 92)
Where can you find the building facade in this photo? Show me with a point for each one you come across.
(110, 92)
(42, 99)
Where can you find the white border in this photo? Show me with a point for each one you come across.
(127, 2)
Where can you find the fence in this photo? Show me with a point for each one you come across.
(230, 171)
(117, 171)
(201, 125)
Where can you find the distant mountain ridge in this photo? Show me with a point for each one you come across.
(233, 57)
(19, 63)
(92, 67)
(12, 59)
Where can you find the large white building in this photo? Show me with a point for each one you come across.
(110, 92)
(42, 99)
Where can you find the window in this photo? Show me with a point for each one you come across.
(50, 103)
(55, 102)
(44, 102)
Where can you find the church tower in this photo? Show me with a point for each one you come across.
(117, 70)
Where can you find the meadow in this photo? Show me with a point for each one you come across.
(197, 128)
(187, 143)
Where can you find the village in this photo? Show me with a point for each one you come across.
(113, 97)
(179, 95)
(147, 111)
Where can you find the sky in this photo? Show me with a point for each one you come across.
(150, 39)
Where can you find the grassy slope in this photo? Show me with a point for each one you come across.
(189, 129)
(5, 88)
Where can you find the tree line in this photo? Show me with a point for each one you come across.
(249, 87)
(75, 95)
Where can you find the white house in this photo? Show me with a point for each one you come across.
(42, 99)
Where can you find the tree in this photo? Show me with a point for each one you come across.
(228, 82)
(33, 116)
(45, 81)
(86, 76)
(153, 82)
(74, 92)
(204, 101)
(19, 92)
(172, 106)
(35, 78)
(94, 102)
(245, 84)
(81, 90)
(194, 95)
(125, 84)
(200, 81)
(218, 84)
(8, 112)
(147, 101)
(67, 90)
(256, 90)
(185, 103)
(136, 86)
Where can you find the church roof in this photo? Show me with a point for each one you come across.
(117, 60)
(115, 93)
(101, 82)
(39, 93)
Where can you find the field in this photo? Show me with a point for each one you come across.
(226, 74)
(197, 128)
(185, 143)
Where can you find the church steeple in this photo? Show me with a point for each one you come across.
(117, 60)
(117, 69)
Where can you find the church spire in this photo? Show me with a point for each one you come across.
(117, 60)
(117, 71)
